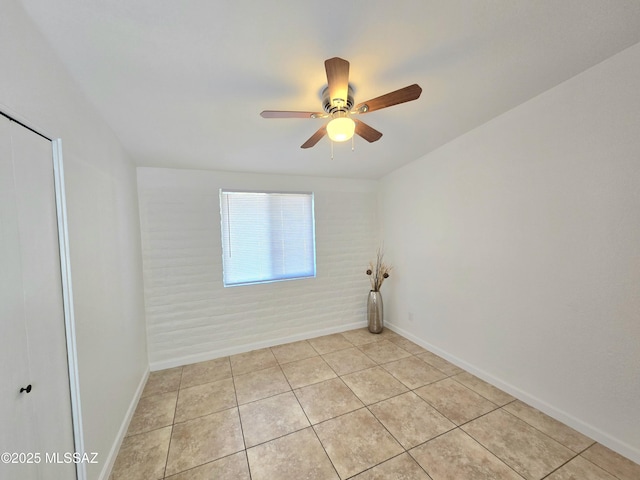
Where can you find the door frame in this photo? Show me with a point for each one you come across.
(67, 291)
(67, 300)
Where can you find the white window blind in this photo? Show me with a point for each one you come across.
(266, 237)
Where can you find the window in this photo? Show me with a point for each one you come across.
(266, 237)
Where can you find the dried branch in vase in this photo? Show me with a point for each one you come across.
(378, 272)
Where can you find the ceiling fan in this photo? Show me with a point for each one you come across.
(337, 102)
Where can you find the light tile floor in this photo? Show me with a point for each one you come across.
(351, 405)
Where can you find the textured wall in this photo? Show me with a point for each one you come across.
(191, 316)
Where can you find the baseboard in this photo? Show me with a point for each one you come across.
(585, 428)
(212, 354)
(113, 453)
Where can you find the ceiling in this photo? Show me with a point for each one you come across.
(182, 83)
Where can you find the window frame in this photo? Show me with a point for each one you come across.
(226, 241)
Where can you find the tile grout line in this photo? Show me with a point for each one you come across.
(173, 420)
(540, 431)
(244, 443)
(325, 450)
(490, 452)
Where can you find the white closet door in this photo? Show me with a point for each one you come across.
(32, 344)
(17, 431)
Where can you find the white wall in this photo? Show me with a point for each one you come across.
(517, 251)
(192, 317)
(103, 227)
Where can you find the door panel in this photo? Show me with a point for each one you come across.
(16, 434)
(34, 344)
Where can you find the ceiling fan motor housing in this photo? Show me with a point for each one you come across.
(336, 105)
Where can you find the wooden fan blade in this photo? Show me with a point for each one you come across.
(406, 94)
(370, 134)
(288, 114)
(337, 79)
(315, 138)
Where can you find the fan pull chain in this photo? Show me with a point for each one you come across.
(332, 150)
(353, 143)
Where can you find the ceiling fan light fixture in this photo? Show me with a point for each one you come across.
(341, 129)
